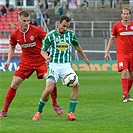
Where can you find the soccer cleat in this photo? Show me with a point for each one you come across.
(71, 116)
(127, 99)
(58, 110)
(36, 116)
(130, 99)
(3, 114)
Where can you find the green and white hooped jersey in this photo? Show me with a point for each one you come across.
(60, 45)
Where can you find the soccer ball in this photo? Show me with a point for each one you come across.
(70, 79)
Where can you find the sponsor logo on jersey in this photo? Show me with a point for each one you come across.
(28, 45)
(126, 33)
(120, 28)
(62, 46)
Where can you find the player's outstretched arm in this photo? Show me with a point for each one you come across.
(45, 56)
(110, 44)
(10, 55)
(79, 49)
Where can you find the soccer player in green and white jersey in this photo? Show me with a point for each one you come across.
(60, 42)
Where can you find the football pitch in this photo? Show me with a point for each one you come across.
(100, 108)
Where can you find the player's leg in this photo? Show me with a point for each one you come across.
(10, 95)
(56, 107)
(124, 82)
(23, 71)
(43, 100)
(73, 103)
(74, 93)
(123, 63)
(41, 71)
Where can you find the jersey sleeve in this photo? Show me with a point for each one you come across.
(74, 40)
(12, 39)
(46, 43)
(41, 33)
(114, 31)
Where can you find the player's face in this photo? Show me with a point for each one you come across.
(24, 22)
(63, 26)
(125, 15)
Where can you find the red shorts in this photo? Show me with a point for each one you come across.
(125, 61)
(25, 70)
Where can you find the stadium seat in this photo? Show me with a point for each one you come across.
(3, 19)
(1, 27)
(14, 16)
(15, 20)
(9, 19)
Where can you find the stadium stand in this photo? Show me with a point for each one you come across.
(9, 21)
(7, 24)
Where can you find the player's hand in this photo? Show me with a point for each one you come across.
(6, 65)
(106, 57)
(87, 60)
(48, 59)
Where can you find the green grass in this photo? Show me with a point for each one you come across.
(100, 108)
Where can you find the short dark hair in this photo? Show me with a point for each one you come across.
(125, 8)
(63, 17)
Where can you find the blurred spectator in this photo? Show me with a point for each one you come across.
(11, 9)
(56, 2)
(7, 3)
(33, 22)
(87, 3)
(40, 5)
(3, 11)
(60, 11)
(70, 15)
(131, 4)
(112, 3)
(46, 4)
(46, 17)
(120, 3)
(12, 26)
(39, 18)
(102, 3)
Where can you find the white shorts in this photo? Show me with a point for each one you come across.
(56, 71)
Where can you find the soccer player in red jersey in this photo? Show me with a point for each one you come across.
(29, 38)
(123, 32)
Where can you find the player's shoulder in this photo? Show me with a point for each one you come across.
(51, 32)
(70, 31)
(15, 32)
(118, 23)
(33, 27)
(131, 23)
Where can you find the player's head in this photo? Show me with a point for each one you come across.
(63, 24)
(24, 19)
(126, 14)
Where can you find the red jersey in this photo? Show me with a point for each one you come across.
(124, 37)
(30, 42)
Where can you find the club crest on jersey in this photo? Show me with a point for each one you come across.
(62, 46)
(56, 39)
(31, 38)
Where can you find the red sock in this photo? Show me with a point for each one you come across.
(9, 97)
(130, 81)
(54, 96)
(125, 86)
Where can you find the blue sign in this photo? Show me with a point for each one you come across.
(12, 67)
